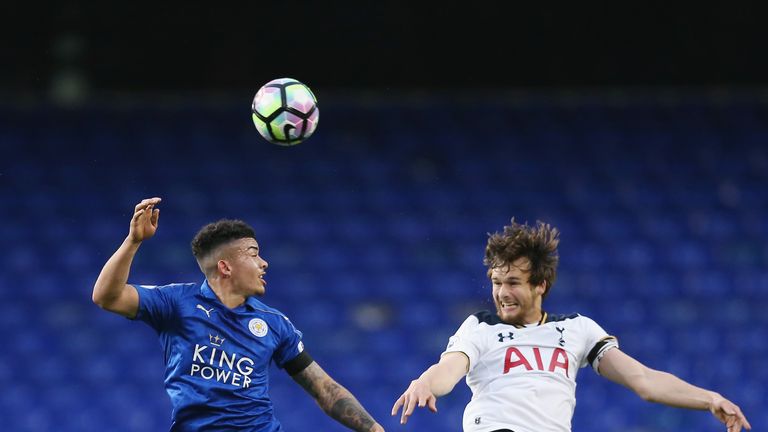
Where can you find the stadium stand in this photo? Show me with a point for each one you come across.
(374, 230)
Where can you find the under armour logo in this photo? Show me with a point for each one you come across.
(207, 311)
(501, 336)
(561, 342)
(477, 420)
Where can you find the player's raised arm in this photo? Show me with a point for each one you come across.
(436, 381)
(111, 290)
(665, 388)
(335, 400)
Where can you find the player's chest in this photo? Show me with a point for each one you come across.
(549, 349)
(217, 335)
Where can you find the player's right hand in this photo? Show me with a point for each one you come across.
(144, 221)
(418, 393)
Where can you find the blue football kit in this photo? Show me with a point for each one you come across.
(217, 359)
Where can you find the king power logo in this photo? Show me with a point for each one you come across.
(212, 362)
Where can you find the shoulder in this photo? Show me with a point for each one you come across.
(562, 317)
(480, 320)
(269, 313)
(171, 290)
(259, 306)
(486, 317)
(574, 320)
(172, 286)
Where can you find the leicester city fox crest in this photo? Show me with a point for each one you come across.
(258, 327)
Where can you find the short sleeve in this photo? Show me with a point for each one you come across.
(464, 341)
(157, 304)
(290, 344)
(597, 343)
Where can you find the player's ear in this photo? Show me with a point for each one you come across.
(541, 288)
(224, 268)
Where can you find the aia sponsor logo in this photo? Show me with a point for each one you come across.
(535, 358)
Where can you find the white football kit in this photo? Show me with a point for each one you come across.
(524, 378)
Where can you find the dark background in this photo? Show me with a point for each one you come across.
(387, 45)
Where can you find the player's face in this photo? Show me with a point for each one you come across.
(248, 267)
(517, 301)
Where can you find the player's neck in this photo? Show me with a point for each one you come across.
(533, 317)
(226, 296)
(536, 314)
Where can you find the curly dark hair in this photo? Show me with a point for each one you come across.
(537, 243)
(218, 233)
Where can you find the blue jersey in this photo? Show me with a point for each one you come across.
(217, 358)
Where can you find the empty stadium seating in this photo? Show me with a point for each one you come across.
(374, 230)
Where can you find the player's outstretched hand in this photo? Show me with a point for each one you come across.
(730, 414)
(417, 394)
(144, 221)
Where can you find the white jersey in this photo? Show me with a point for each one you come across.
(524, 378)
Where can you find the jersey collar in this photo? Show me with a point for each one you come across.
(252, 303)
(541, 321)
(208, 293)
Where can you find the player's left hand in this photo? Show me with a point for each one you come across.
(730, 414)
(376, 428)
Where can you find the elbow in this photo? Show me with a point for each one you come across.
(99, 302)
(96, 298)
(639, 381)
(644, 388)
(645, 392)
(99, 299)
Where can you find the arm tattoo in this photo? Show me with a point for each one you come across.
(334, 399)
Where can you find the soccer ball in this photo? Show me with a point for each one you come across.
(285, 111)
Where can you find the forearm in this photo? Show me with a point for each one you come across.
(667, 389)
(335, 400)
(440, 383)
(342, 406)
(114, 274)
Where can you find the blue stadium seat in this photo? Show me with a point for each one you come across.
(661, 206)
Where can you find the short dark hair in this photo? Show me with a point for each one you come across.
(218, 233)
(537, 243)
